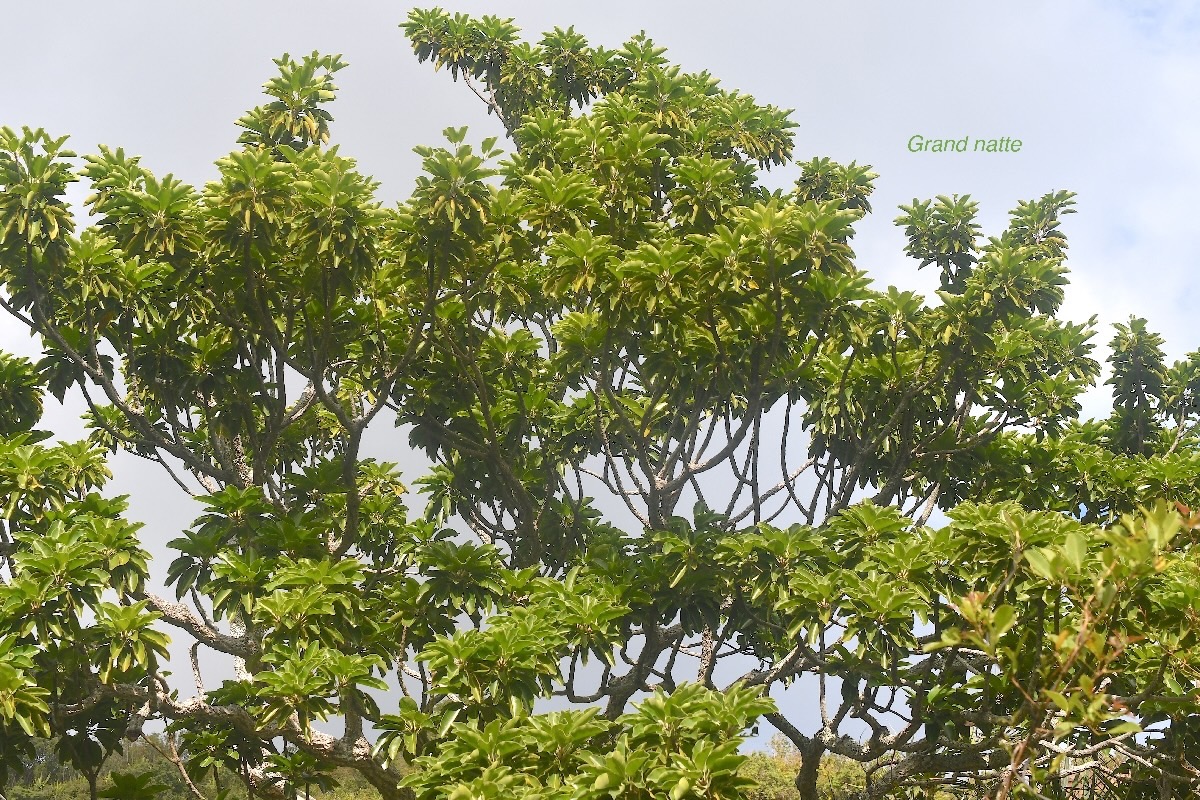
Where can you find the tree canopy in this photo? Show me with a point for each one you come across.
(683, 454)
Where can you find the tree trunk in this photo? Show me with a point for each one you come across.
(810, 763)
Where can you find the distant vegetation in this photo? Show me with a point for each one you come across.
(47, 778)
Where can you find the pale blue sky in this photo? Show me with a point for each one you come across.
(1104, 96)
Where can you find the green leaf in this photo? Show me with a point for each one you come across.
(1075, 549)
(1041, 562)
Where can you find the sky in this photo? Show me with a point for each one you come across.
(1103, 95)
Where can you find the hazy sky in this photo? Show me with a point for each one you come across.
(1103, 95)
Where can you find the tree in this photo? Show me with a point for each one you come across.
(682, 454)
